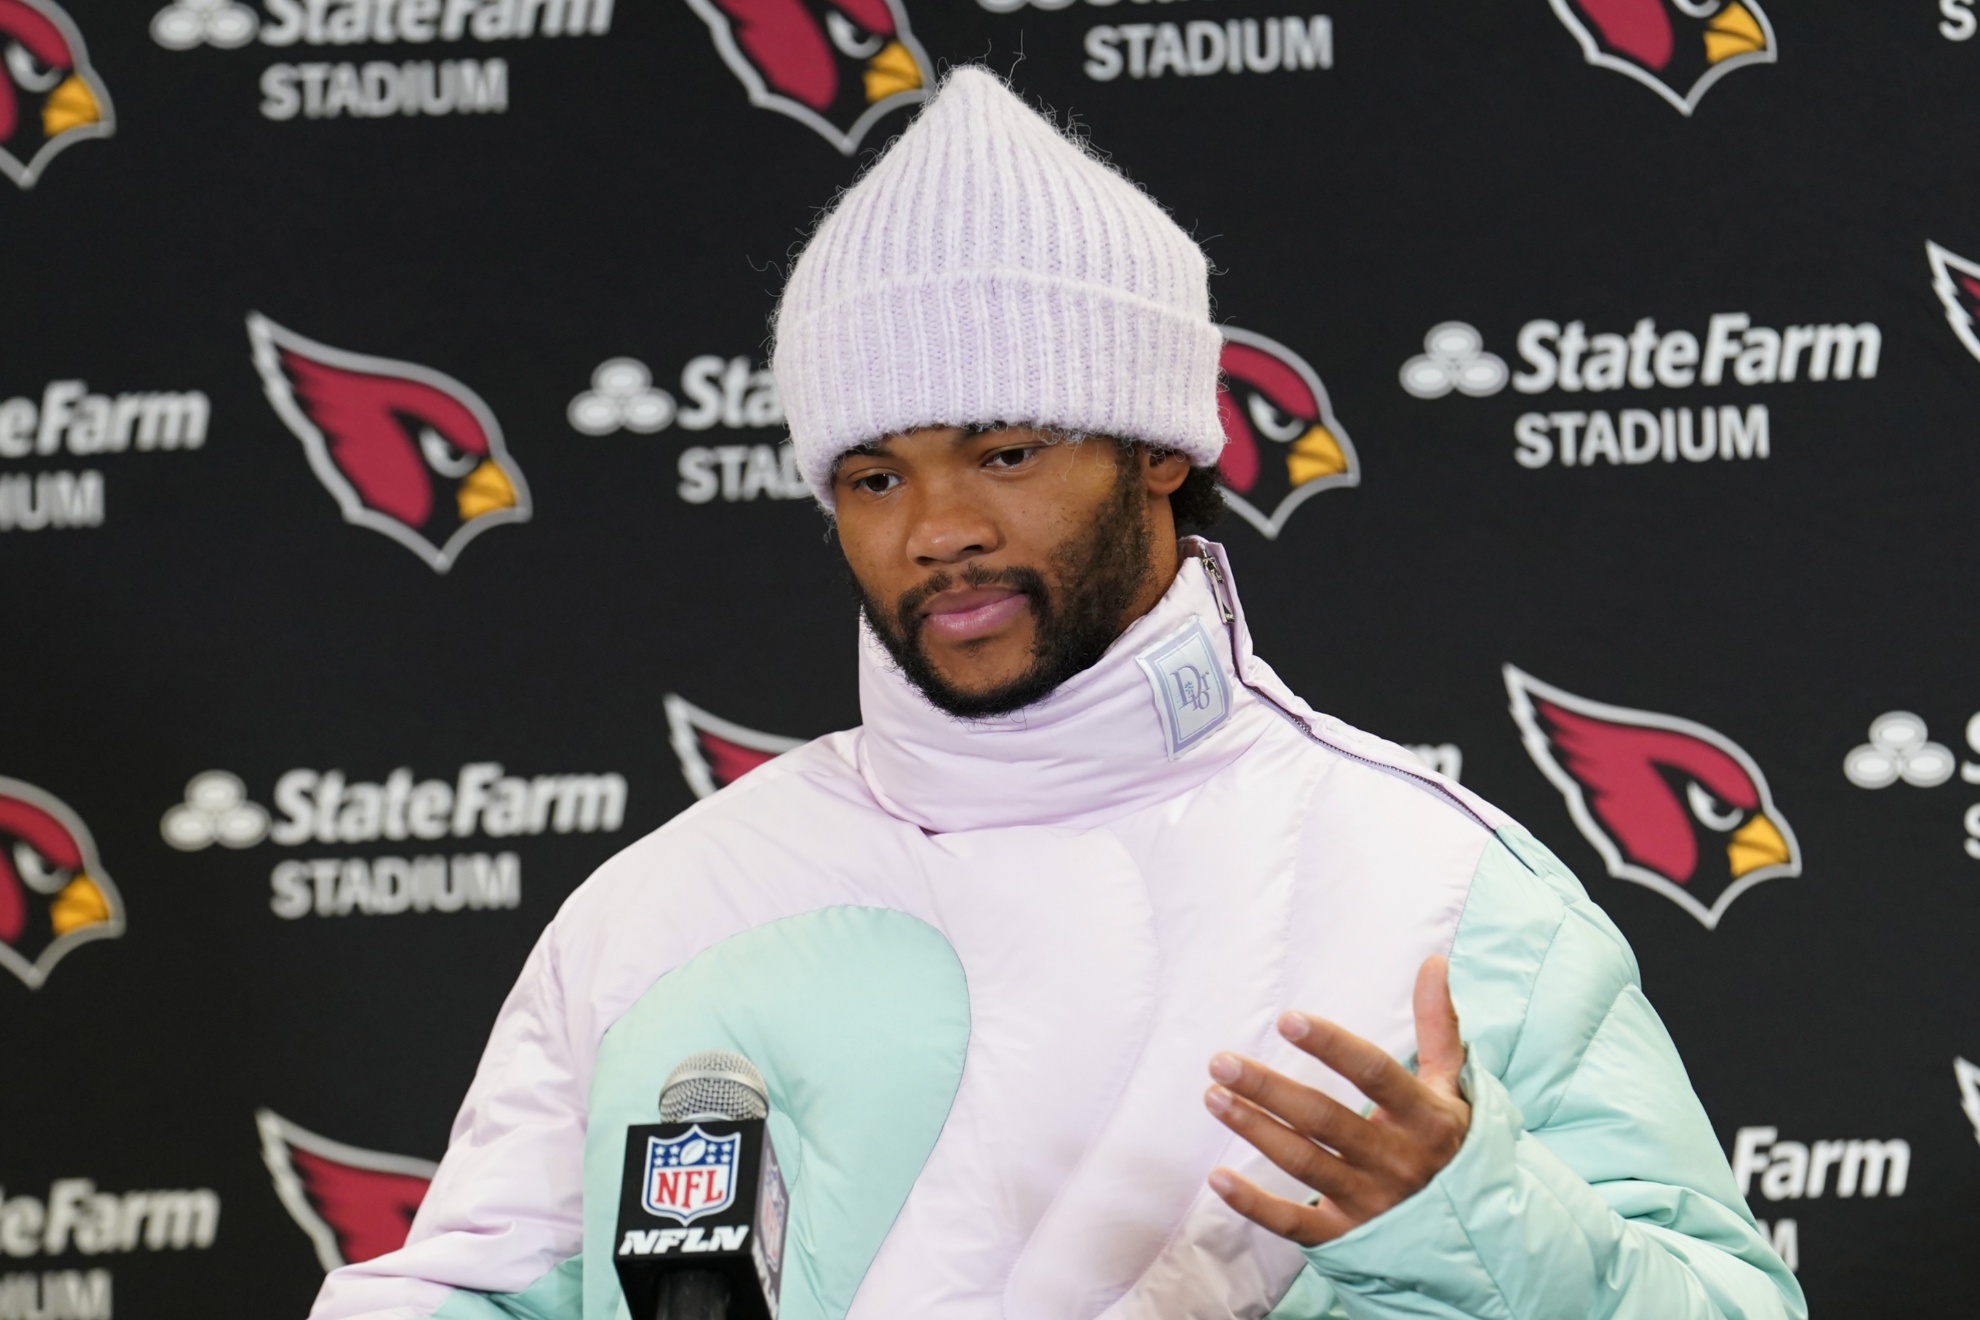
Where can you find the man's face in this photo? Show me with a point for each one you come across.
(995, 565)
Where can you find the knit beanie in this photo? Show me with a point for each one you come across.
(987, 268)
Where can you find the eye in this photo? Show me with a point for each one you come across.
(1008, 460)
(1709, 810)
(447, 458)
(36, 871)
(1699, 8)
(876, 483)
(1278, 425)
(28, 71)
(849, 39)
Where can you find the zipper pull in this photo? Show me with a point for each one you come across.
(1217, 588)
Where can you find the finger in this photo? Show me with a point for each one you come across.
(1439, 1047)
(1301, 1108)
(1362, 1063)
(1319, 1169)
(1308, 1225)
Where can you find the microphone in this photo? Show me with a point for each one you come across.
(702, 1205)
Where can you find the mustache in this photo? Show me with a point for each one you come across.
(907, 610)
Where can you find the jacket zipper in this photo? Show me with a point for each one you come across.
(1220, 590)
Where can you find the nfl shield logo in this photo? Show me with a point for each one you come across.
(691, 1175)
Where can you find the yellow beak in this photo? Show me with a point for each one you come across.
(1756, 844)
(79, 904)
(486, 490)
(1314, 455)
(71, 105)
(1732, 31)
(892, 69)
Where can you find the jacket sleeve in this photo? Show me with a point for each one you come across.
(1590, 1182)
(499, 1234)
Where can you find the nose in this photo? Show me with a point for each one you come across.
(947, 529)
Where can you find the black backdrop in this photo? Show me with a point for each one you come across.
(616, 194)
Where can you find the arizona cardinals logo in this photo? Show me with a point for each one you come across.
(715, 753)
(1676, 48)
(837, 65)
(1957, 282)
(406, 451)
(1282, 442)
(1968, 1077)
(54, 893)
(50, 97)
(354, 1204)
(1668, 803)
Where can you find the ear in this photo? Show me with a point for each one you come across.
(1162, 470)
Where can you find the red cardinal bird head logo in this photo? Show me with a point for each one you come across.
(714, 752)
(836, 65)
(50, 97)
(1957, 282)
(1282, 443)
(354, 1204)
(1668, 803)
(54, 893)
(1676, 48)
(406, 451)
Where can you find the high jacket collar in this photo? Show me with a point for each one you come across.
(1162, 711)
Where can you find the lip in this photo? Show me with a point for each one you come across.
(962, 616)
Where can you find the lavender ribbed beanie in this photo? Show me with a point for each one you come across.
(988, 269)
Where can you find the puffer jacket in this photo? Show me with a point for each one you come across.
(983, 966)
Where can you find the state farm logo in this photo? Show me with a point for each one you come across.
(79, 1216)
(728, 394)
(50, 96)
(1201, 48)
(1282, 443)
(405, 450)
(1568, 359)
(1676, 48)
(715, 752)
(354, 1204)
(835, 66)
(324, 807)
(389, 85)
(54, 893)
(1668, 803)
(70, 420)
(1790, 1171)
(1900, 750)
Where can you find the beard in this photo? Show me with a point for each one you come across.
(1077, 612)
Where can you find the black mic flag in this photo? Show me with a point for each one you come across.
(702, 1204)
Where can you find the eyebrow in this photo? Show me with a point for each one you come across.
(965, 433)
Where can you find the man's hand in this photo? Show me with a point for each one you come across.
(1360, 1166)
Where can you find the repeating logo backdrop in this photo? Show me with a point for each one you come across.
(395, 522)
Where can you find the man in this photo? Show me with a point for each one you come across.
(1085, 847)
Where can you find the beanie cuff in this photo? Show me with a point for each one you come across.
(1001, 345)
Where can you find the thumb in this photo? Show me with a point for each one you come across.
(1439, 1047)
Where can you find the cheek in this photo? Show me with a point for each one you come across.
(872, 552)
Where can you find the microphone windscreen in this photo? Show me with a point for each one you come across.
(714, 1084)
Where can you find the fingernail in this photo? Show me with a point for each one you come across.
(1217, 1099)
(1226, 1068)
(1292, 1026)
(1222, 1183)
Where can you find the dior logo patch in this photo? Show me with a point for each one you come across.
(1190, 692)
